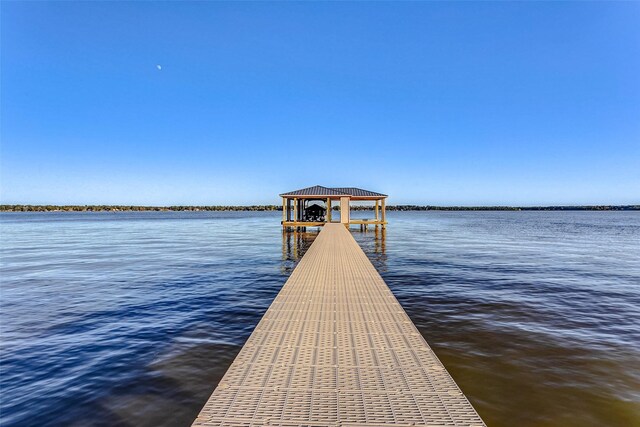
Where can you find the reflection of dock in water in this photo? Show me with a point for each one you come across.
(336, 349)
(379, 243)
(296, 243)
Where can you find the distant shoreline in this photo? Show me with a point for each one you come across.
(262, 208)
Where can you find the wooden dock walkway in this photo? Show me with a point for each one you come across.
(336, 349)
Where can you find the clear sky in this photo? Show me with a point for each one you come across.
(232, 103)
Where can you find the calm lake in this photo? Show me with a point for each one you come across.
(130, 319)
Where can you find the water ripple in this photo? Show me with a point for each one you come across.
(131, 319)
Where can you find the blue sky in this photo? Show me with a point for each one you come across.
(431, 103)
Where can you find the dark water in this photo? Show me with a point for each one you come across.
(131, 318)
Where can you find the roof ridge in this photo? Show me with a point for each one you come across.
(321, 189)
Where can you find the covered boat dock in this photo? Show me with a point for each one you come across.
(314, 206)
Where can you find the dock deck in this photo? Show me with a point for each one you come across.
(336, 349)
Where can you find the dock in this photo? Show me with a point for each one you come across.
(335, 348)
(312, 207)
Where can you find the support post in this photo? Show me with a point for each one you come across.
(284, 210)
(328, 218)
(295, 210)
(377, 217)
(345, 214)
(384, 214)
(288, 209)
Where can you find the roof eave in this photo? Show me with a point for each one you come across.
(333, 196)
(382, 196)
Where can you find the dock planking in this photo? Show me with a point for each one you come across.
(335, 348)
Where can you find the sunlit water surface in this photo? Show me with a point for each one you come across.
(130, 319)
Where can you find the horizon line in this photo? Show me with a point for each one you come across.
(18, 207)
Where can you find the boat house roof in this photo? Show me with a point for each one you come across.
(318, 191)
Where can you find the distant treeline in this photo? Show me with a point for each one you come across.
(514, 208)
(117, 208)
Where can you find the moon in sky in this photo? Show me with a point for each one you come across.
(159, 67)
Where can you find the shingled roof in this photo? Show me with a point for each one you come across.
(358, 192)
(320, 191)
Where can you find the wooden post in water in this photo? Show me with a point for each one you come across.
(384, 216)
(295, 210)
(284, 210)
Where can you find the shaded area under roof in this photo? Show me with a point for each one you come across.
(320, 191)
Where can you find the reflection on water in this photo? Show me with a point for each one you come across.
(373, 242)
(132, 318)
(294, 246)
(296, 243)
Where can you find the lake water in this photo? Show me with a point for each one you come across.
(130, 319)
